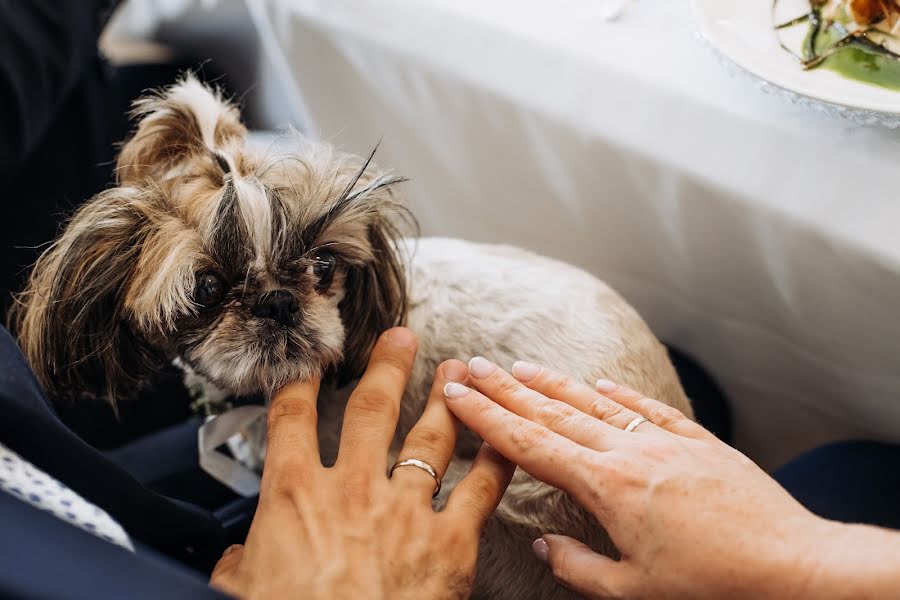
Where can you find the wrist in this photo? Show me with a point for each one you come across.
(790, 562)
(852, 561)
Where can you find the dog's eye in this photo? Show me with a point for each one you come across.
(323, 268)
(210, 290)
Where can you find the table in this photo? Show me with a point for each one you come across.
(756, 234)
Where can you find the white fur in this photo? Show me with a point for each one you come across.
(256, 212)
(206, 106)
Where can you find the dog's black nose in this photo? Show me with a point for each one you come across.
(280, 306)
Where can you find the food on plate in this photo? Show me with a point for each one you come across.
(860, 14)
(859, 39)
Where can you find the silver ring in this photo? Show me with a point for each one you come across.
(635, 422)
(419, 464)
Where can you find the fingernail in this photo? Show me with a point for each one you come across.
(481, 367)
(525, 371)
(604, 386)
(541, 550)
(401, 337)
(455, 371)
(456, 390)
(231, 549)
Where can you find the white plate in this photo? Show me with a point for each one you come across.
(742, 30)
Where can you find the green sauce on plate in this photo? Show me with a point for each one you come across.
(862, 65)
(857, 61)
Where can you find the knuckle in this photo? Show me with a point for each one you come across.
(488, 411)
(482, 488)
(558, 385)
(356, 488)
(462, 541)
(286, 480)
(663, 414)
(527, 438)
(409, 507)
(288, 409)
(551, 416)
(370, 401)
(427, 437)
(656, 450)
(603, 471)
(507, 386)
(606, 411)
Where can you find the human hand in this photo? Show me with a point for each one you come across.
(691, 516)
(348, 531)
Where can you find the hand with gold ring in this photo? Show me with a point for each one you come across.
(349, 531)
(691, 516)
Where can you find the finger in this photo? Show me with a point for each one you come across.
(574, 393)
(569, 421)
(580, 569)
(661, 415)
(433, 437)
(476, 496)
(544, 454)
(227, 562)
(291, 435)
(372, 410)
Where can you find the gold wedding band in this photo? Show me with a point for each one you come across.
(419, 464)
(635, 422)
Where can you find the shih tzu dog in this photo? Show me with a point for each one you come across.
(257, 268)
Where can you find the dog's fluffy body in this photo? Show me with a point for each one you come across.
(197, 212)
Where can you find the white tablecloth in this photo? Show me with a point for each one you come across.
(757, 235)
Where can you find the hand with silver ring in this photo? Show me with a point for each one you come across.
(349, 531)
(691, 516)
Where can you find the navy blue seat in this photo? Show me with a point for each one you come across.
(853, 482)
(42, 557)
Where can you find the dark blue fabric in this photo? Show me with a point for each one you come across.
(44, 557)
(29, 427)
(167, 461)
(852, 482)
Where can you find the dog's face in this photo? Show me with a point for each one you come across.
(254, 268)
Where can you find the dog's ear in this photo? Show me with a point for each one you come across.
(174, 126)
(70, 320)
(375, 300)
(375, 287)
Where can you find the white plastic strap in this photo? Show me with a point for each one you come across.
(230, 428)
